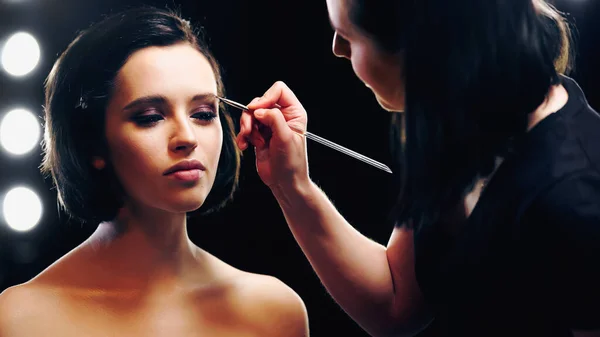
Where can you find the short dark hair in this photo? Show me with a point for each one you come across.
(474, 70)
(77, 93)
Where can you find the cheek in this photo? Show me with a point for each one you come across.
(368, 68)
(361, 65)
(133, 156)
(212, 142)
(139, 157)
(382, 73)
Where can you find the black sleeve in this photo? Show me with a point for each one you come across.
(567, 218)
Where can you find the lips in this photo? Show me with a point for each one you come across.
(186, 165)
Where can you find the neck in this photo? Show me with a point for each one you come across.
(556, 99)
(143, 248)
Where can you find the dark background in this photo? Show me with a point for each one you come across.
(257, 42)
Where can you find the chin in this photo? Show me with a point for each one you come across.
(388, 106)
(184, 207)
(185, 204)
(189, 199)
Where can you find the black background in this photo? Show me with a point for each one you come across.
(257, 43)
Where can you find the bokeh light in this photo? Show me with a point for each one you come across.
(22, 209)
(19, 131)
(21, 54)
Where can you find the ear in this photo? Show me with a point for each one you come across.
(98, 163)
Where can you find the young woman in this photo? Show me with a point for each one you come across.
(498, 222)
(135, 139)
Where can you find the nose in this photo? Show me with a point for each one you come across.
(183, 137)
(340, 47)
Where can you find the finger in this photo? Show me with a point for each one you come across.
(246, 120)
(273, 120)
(246, 123)
(242, 142)
(279, 94)
(254, 100)
(253, 136)
(256, 137)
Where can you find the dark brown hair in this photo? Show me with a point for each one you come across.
(78, 90)
(474, 71)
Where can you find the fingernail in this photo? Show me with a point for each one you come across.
(259, 113)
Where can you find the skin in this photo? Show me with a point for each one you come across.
(380, 71)
(143, 276)
(374, 284)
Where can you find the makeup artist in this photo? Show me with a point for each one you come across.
(498, 222)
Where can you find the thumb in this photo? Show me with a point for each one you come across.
(273, 118)
(278, 95)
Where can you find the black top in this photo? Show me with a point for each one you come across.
(527, 261)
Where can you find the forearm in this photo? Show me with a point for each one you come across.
(353, 268)
(379, 295)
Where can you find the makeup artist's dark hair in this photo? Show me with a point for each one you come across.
(474, 71)
(78, 90)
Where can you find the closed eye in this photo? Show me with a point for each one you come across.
(205, 116)
(205, 112)
(145, 120)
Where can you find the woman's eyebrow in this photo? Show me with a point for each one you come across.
(160, 99)
(205, 97)
(146, 100)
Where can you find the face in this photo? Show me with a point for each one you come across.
(163, 112)
(380, 71)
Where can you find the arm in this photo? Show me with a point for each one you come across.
(375, 285)
(272, 307)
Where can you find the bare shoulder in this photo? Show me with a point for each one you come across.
(262, 303)
(27, 308)
(20, 307)
(16, 302)
(272, 305)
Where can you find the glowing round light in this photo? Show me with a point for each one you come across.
(22, 209)
(19, 131)
(21, 54)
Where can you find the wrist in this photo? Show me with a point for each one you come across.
(294, 193)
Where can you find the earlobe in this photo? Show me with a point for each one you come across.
(98, 163)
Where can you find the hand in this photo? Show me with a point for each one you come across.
(281, 159)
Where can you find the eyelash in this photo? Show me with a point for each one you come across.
(152, 119)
